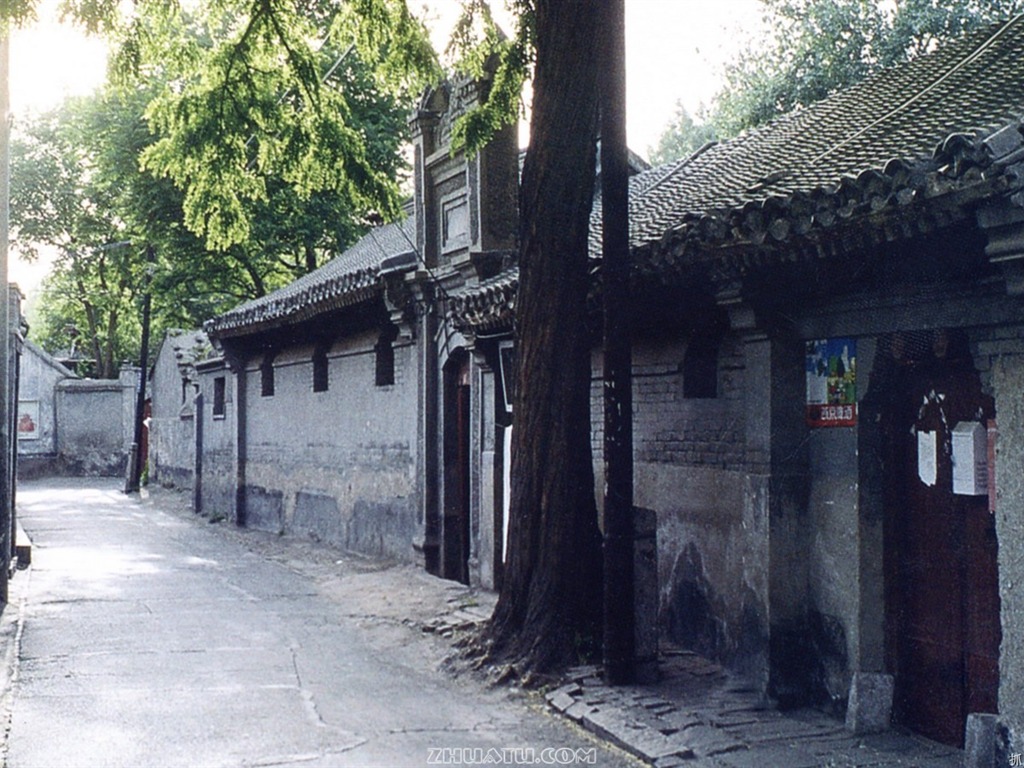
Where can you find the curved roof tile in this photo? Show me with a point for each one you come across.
(344, 280)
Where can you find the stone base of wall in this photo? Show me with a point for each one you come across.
(34, 467)
(171, 477)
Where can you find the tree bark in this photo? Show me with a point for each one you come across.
(549, 609)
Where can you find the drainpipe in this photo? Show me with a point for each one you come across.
(241, 448)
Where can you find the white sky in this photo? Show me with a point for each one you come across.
(674, 52)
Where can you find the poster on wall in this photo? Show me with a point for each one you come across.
(28, 419)
(831, 370)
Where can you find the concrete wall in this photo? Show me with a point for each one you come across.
(337, 466)
(96, 424)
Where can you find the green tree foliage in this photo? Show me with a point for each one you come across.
(254, 100)
(61, 201)
(80, 184)
(815, 47)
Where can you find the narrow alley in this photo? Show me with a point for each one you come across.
(145, 636)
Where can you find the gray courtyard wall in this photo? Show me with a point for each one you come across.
(1001, 352)
(214, 489)
(40, 374)
(339, 465)
(96, 424)
(172, 421)
(690, 468)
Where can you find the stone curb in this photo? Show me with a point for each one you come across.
(12, 625)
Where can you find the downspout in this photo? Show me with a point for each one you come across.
(197, 454)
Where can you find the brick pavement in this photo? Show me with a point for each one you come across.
(700, 716)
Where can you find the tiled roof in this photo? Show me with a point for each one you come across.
(944, 122)
(345, 280)
(874, 144)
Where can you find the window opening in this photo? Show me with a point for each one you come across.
(267, 376)
(385, 362)
(219, 396)
(321, 370)
(700, 368)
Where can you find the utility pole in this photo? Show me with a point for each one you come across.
(6, 434)
(619, 591)
(135, 455)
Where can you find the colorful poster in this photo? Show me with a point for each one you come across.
(832, 383)
(28, 419)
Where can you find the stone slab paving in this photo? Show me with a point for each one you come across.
(700, 716)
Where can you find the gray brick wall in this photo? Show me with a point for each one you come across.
(670, 428)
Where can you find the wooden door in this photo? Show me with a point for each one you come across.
(942, 590)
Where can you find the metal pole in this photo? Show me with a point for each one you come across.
(619, 592)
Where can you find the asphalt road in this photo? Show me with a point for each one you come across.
(147, 637)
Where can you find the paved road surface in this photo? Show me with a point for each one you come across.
(151, 638)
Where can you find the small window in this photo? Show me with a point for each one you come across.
(700, 368)
(219, 396)
(321, 370)
(267, 376)
(385, 371)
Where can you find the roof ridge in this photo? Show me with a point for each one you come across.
(980, 50)
(678, 165)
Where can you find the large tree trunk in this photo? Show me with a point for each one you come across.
(549, 610)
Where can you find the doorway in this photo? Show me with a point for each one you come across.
(455, 524)
(940, 553)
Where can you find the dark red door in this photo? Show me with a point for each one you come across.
(942, 590)
(463, 490)
(457, 466)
